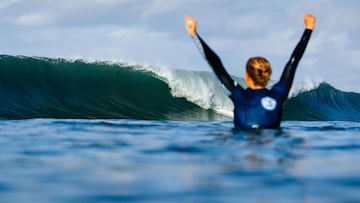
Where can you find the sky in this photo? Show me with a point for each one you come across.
(152, 32)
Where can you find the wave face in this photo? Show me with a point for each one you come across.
(57, 88)
(324, 103)
(32, 87)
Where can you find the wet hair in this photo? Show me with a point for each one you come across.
(259, 70)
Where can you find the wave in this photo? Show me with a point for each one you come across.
(34, 87)
(324, 103)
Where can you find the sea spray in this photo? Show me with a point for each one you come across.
(304, 86)
(200, 88)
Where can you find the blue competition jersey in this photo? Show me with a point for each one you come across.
(260, 108)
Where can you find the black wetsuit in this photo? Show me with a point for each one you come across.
(261, 108)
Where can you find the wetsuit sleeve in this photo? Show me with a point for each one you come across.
(288, 74)
(215, 63)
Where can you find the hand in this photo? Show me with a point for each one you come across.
(309, 21)
(190, 24)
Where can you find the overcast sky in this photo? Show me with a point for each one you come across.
(152, 32)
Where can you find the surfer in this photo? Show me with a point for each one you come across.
(256, 106)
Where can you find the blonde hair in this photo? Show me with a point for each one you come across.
(259, 70)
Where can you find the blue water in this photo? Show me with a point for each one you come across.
(122, 160)
(75, 131)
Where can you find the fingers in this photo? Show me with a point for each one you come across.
(309, 16)
(190, 25)
(189, 20)
(309, 20)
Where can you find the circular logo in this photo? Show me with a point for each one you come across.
(268, 103)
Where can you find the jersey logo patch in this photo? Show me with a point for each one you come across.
(268, 103)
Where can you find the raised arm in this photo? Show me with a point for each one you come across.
(211, 57)
(288, 74)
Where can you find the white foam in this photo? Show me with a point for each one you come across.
(200, 88)
(204, 90)
(304, 86)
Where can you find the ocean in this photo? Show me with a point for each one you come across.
(78, 131)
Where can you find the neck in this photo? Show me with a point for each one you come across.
(255, 87)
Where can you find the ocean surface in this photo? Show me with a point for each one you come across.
(78, 131)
